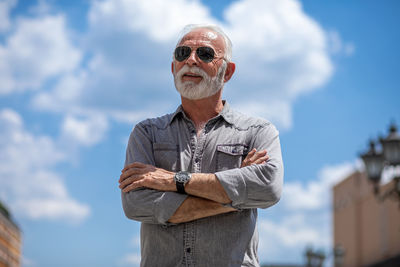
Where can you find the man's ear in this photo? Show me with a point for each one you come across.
(172, 67)
(230, 69)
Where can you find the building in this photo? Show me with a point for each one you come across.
(366, 227)
(10, 240)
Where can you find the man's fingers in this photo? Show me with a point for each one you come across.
(251, 153)
(246, 161)
(135, 169)
(134, 165)
(261, 153)
(258, 155)
(261, 160)
(128, 181)
(255, 157)
(125, 175)
(131, 187)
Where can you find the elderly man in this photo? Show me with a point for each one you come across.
(195, 178)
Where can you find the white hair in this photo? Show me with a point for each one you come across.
(228, 44)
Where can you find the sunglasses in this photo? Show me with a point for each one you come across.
(206, 54)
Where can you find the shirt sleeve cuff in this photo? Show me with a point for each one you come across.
(234, 185)
(166, 205)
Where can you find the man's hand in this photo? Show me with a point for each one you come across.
(255, 157)
(138, 175)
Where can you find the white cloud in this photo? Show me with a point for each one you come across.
(304, 218)
(316, 193)
(276, 111)
(27, 181)
(88, 131)
(42, 8)
(53, 208)
(294, 231)
(280, 52)
(390, 172)
(291, 232)
(127, 81)
(38, 50)
(161, 24)
(5, 7)
(132, 259)
(336, 44)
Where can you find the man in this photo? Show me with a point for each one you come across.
(195, 178)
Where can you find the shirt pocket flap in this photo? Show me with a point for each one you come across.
(166, 156)
(233, 149)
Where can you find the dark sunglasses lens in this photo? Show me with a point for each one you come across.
(205, 53)
(182, 53)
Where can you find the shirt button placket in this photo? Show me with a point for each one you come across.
(189, 244)
(189, 228)
(198, 152)
(189, 241)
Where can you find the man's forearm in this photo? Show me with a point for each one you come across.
(194, 208)
(206, 185)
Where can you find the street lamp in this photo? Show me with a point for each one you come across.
(391, 146)
(375, 161)
(338, 254)
(314, 258)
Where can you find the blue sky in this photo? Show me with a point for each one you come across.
(75, 76)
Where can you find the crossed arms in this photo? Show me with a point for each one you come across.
(206, 194)
(149, 193)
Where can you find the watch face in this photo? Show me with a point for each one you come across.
(182, 177)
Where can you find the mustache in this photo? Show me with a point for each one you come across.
(194, 70)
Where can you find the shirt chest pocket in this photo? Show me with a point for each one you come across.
(166, 156)
(230, 156)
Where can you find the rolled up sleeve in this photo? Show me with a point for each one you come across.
(151, 206)
(258, 185)
(147, 205)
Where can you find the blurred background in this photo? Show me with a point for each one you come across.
(75, 76)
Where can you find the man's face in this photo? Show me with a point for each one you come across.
(194, 78)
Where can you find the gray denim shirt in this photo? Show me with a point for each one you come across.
(170, 142)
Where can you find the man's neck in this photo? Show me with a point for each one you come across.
(202, 110)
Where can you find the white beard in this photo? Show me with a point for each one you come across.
(207, 87)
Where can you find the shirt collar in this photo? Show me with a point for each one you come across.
(226, 113)
(177, 112)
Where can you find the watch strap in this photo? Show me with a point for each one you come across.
(180, 187)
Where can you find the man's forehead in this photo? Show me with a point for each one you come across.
(203, 35)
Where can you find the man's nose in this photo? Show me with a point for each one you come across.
(192, 60)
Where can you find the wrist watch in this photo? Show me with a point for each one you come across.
(181, 178)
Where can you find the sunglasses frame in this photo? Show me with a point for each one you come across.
(198, 53)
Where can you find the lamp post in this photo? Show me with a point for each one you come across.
(375, 161)
(314, 258)
(338, 254)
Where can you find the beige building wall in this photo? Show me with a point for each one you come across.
(10, 242)
(367, 229)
